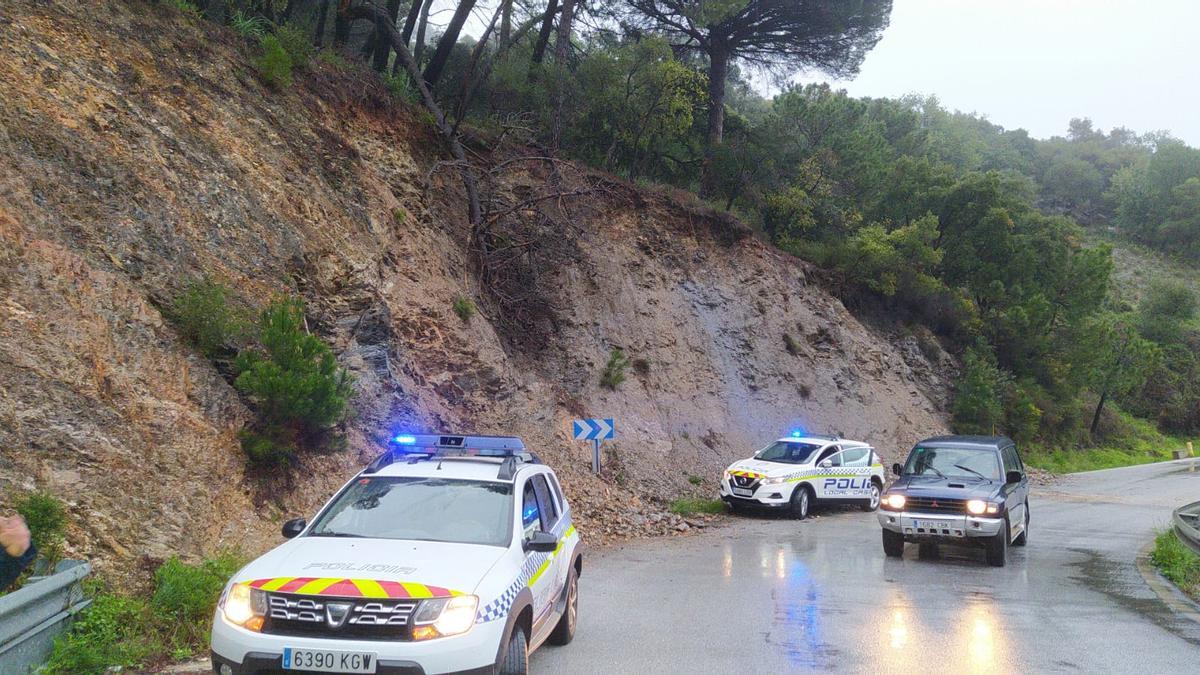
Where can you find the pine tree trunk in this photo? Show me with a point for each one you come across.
(341, 25)
(319, 33)
(505, 23)
(717, 72)
(383, 47)
(539, 49)
(1099, 409)
(433, 71)
(422, 24)
(562, 46)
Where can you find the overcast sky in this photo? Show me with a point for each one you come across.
(1038, 63)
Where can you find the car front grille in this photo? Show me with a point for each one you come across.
(743, 482)
(932, 505)
(366, 618)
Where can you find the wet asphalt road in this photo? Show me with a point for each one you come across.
(766, 594)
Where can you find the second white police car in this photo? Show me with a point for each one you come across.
(448, 554)
(800, 470)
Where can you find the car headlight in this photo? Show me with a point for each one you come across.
(442, 617)
(245, 606)
(726, 475)
(773, 481)
(978, 507)
(895, 501)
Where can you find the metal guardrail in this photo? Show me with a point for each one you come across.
(33, 616)
(1187, 525)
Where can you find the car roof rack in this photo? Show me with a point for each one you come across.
(417, 447)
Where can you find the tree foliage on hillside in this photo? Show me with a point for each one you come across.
(915, 211)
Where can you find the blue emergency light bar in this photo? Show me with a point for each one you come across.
(416, 446)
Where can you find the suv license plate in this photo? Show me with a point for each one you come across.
(328, 661)
(743, 492)
(937, 525)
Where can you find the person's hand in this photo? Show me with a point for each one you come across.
(14, 536)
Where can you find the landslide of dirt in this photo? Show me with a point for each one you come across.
(138, 151)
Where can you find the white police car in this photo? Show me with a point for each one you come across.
(447, 554)
(799, 470)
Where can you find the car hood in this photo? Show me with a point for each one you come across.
(948, 488)
(335, 566)
(763, 469)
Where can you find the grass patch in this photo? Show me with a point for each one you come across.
(1139, 443)
(1177, 562)
(206, 317)
(135, 632)
(695, 480)
(614, 370)
(464, 307)
(46, 518)
(690, 506)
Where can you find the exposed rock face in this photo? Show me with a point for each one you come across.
(138, 151)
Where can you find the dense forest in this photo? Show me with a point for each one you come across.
(918, 215)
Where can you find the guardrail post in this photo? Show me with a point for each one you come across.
(30, 618)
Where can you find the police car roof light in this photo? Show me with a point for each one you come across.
(415, 447)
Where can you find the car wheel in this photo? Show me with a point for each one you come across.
(564, 632)
(872, 503)
(997, 547)
(893, 544)
(1024, 538)
(516, 656)
(801, 502)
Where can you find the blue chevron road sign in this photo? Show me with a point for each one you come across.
(595, 430)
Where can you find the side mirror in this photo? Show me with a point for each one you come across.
(1014, 477)
(897, 469)
(541, 542)
(294, 527)
(825, 464)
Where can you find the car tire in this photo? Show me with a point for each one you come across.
(893, 544)
(873, 503)
(1024, 538)
(515, 660)
(997, 546)
(564, 632)
(802, 500)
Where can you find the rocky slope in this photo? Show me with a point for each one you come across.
(138, 151)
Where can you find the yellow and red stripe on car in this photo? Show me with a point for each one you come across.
(351, 588)
(746, 474)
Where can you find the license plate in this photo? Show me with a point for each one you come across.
(743, 492)
(938, 525)
(328, 661)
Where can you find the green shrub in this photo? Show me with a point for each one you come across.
(614, 370)
(695, 480)
(205, 317)
(131, 631)
(113, 631)
(274, 66)
(186, 595)
(464, 308)
(297, 43)
(978, 403)
(186, 7)
(1177, 562)
(46, 518)
(269, 448)
(293, 380)
(689, 506)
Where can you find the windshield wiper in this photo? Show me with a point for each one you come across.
(967, 468)
(934, 469)
(335, 534)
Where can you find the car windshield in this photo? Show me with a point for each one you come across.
(787, 452)
(422, 509)
(956, 462)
